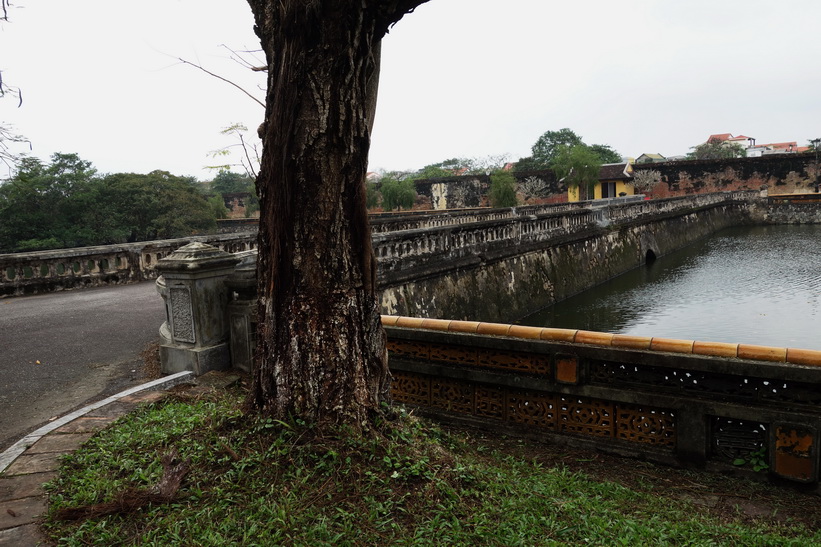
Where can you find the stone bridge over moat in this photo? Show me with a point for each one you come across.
(431, 264)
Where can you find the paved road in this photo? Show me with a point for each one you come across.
(87, 343)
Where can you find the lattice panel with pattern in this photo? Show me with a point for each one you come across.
(452, 395)
(404, 348)
(568, 414)
(586, 416)
(644, 425)
(413, 389)
(453, 354)
(521, 362)
(532, 408)
(490, 401)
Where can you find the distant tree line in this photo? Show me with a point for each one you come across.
(66, 203)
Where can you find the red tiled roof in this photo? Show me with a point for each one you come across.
(780, 145)
(720, 137)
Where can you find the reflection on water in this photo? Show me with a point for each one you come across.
(757, 285)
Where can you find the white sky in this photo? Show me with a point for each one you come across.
(459, 77)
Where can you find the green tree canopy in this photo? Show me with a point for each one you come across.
(502, 189)
(64, 203)
(46, 205)
(549, 145)
(398, 194)
(158, 205)
(228, 182)
(578, 166)
(605, 153)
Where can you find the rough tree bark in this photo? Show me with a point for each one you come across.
(321, 348)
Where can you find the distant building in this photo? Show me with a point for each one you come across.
(650, 158)
(742, 140)
(614, 179)
(755, 150)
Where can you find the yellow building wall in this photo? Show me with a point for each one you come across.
(620, 187)
(574, 193)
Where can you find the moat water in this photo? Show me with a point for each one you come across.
(755, 285)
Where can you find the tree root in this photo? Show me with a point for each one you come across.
(133, 499)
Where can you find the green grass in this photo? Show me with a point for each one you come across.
(261, 482)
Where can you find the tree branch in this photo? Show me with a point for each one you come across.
(226, 80)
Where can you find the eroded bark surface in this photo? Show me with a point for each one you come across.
(321, 348)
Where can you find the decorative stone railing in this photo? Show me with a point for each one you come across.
(44, 271)
(676, 401)
(417, 220)
(437, 237)
(407, 250)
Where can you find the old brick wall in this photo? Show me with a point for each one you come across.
(778, 173)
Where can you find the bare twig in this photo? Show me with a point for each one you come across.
(250, 166)
(238, 58)
(226, 80)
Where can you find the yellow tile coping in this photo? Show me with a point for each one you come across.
(762, 353)
(630, 342)
(804, 356)
(671, 345)
(521, 331)
(559, 335)
(436, 324)
(497, 329)
(463, 326)
(714, 349)
(593, 338)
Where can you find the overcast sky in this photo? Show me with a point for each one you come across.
(465, 78)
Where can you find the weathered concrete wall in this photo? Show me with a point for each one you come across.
(793, 209)
(532, 188)
(778, 173)
(505, 282)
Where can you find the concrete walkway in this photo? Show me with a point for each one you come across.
(35, 459)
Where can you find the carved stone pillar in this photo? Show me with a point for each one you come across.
(242, 312)
(195, 335)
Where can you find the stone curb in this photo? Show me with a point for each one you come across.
(15, 450)
(21, 494)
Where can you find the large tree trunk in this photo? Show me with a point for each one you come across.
(321, 348)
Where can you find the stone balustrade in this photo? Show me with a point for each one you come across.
(399, 243)
(404, 250)
(416, 220)
(60, 269)
(681, 402)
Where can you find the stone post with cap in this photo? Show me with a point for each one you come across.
(195, 334)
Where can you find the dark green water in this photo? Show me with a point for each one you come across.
(757, 285)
